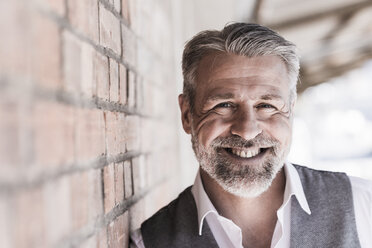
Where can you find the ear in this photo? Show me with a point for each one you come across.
(185, 113)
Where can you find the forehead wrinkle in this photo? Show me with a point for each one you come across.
(220, 96)
(271, 97)
(222, 93)
(246, 80)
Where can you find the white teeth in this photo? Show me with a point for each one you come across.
(245, 153)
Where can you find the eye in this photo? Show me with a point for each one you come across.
(265, 106)
(224, 105)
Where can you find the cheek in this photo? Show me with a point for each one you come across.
(209, 129)
(281, 129)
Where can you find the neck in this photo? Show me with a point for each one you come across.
(255, 216)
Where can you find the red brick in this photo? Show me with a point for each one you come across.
(5, 223)
(57, 200)
(109, 187)
(72, 53)
(101, 76)
(90, 134)
(134, 14)
(16, 131)
(16, 27)
(9, 131)
(78, 65)
(125, 10)
(155, 28)
(128, 179)
(111, 132)
(57, 6)
(121, 133)
(118, 234)
(157, 169)
(102, 238)
(139, 174)
(46, 40)
(129, 45)
(86, 198)
(123, 84)
(53, 126)
(95, 197)
(119, 183)
(88, 86)
(83, 15)
(28, 222)
(109, 30)
(79, 191)
(149, 138)
(148, 102)
(159, 97)
(131, 89)
(114, 81)
(132, 132)
(139, 93)
(115, 133)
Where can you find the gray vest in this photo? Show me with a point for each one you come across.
(330, 225)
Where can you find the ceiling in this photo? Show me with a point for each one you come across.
(333, 36)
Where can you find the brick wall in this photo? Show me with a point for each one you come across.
(88, 110)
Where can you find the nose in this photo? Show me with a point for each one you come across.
(245, 124)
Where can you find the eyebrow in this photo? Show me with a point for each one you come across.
(271, 97)
(220, 96)
(231, 95)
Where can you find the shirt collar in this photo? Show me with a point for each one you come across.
(203, 203)
(293, 187)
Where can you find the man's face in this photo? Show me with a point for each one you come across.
(241, 124)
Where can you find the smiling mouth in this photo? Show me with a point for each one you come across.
(246, 152)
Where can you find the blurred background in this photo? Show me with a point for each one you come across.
(91, 142)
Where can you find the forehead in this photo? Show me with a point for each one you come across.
(218, 73)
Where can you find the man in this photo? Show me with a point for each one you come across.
(237, 104)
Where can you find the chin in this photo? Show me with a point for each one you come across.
(246, 189)
(244, 181)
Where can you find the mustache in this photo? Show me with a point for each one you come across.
(260, 140)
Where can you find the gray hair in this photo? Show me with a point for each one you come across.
(244, 39)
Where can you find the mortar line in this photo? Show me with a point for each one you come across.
(43, 177)
(77, 100)
(95, 226)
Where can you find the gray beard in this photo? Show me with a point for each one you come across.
(240, 179)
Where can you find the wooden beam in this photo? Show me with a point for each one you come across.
(343, 10)
(256, 11)
(328, 72)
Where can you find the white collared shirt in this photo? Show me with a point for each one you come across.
(229, 235)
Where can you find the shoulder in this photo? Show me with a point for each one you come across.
(362, 199)
(165, 226)
(325, 186)
(309, 170)
(313, 177)
(362, 190)
(168, 212)
(361, 184)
